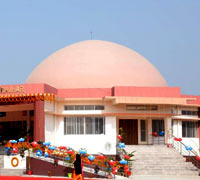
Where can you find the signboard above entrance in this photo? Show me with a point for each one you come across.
(141, 107)
(12, 89)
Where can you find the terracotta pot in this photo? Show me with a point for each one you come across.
(49, 173)
(109, 176)
(169, 145)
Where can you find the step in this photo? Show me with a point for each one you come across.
(157, 161)
(160, 160)
(155, 171)
(167, 169)
(167, 166)
(14, 172)
(196, 174)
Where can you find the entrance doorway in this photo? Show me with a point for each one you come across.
(15, 125)
(130, 130)
(158, 131)
(13, 130)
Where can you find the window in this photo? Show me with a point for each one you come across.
(143, 130)
(79, 107)
(83, 107)
(69, 108)
(73, 125)
(158, 126)
(189, 113)
(99, 107)
(84, 125)
(189, 129)
(89, 107)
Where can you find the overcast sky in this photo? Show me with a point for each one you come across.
(166, 32)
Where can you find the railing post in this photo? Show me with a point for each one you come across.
(181, 148)
(152, 139)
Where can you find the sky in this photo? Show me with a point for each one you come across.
(166, 32)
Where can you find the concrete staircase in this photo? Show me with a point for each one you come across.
(9, 172)
(160, 160)
(2, 150)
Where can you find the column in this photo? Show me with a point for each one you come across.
(28, 119)
(149, 131)
(168, 130)
(39, 124)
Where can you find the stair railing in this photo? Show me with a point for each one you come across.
(191, 155)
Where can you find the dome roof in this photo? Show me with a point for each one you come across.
(96, 64)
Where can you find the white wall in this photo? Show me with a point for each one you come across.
(177, 132)
(93, 143)
(54, 130)
(49, 122)
(50, 128)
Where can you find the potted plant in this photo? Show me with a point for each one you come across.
(69, 175)
(128, 156)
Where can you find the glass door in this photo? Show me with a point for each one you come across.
(143, 132)
(158, 131)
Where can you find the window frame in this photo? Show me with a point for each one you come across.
(187, 126)
(93, 118)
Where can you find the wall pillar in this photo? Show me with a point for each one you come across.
(168, 130)
(39, 124)
(28, 120)
(149, 131)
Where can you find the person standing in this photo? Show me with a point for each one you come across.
(77, 174)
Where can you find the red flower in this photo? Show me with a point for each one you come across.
(178, 139)
(15, 150)
(126, 157)
(119, 137)
(198, 158)
(111, 162)
(154, 134)
(70, 152)
(101, 157)
(114, 172)
(126, 169)
(129, 173)
(34, 144)
(62, 147)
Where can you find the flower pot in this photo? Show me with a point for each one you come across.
(109, 176)
(169, 145)
(29, 172)
(69, 175)
(49, 173)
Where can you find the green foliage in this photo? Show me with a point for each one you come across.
(131, 154)
(122, 133)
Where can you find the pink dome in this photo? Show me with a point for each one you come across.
(96, 64)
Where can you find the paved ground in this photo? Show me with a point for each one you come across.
(118, 178)
(162, 178)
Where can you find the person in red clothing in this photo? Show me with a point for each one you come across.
(78, 168)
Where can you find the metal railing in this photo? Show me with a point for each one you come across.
(158, 140)
(190, 155)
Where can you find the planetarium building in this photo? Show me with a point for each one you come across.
(87, 93)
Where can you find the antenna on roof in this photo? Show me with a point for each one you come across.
(91, 34)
